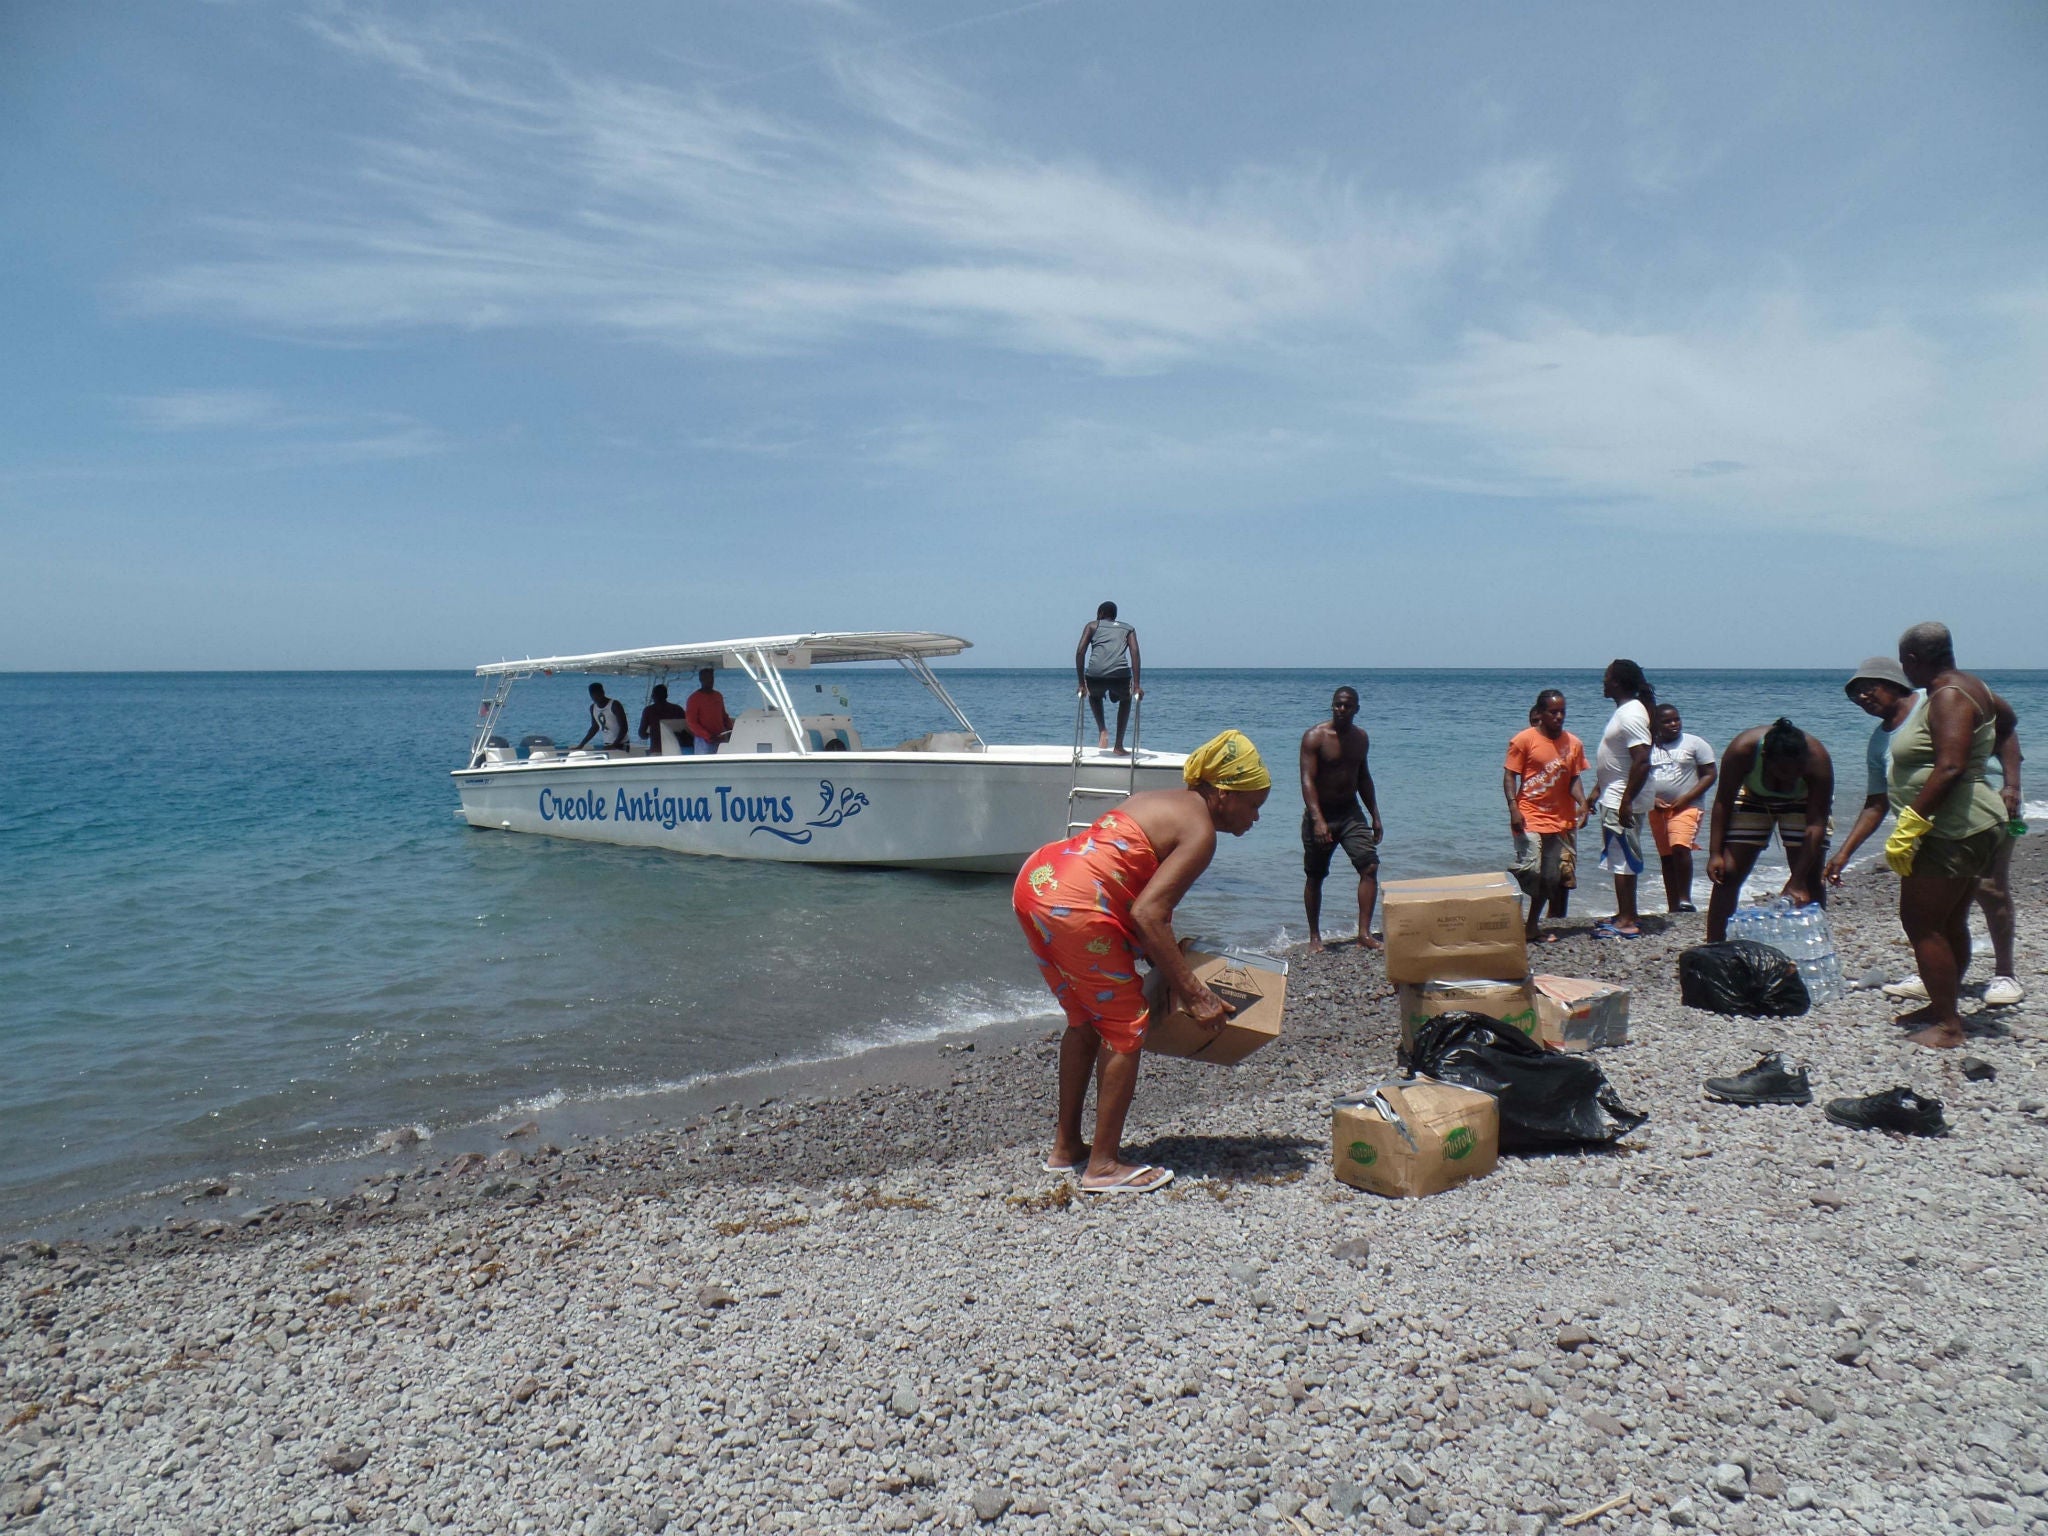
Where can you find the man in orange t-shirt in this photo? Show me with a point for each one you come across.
(1546, 805)
(704, 713)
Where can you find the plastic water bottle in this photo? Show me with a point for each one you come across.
(1742, 924)
(1814, 950)
(1804, 939)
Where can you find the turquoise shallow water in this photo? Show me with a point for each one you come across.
(241, 928)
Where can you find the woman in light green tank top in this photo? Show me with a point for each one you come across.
(1950, 820)
(1971, 805)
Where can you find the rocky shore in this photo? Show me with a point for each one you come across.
(870, 1310)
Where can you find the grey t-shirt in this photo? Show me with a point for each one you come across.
(1877, 758)
(1109, 648)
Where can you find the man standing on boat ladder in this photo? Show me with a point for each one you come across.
(1106, 662)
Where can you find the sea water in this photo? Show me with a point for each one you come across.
(241, 928)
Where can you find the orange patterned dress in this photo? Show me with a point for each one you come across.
(1073, 900)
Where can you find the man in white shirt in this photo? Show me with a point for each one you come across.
(1622, 789)
(607, 720)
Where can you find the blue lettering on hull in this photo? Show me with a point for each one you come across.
(759, 813)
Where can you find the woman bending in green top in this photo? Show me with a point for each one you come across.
(1774, 778)
(1950, 820)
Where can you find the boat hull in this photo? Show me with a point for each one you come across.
(967, 811)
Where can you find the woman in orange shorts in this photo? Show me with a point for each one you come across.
(1090, 904)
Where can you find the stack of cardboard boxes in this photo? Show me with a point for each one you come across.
(1455, 944)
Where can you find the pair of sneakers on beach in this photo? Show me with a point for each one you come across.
(1772, 1081)
(1999, 991)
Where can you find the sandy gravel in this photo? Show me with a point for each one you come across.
(870, 1310)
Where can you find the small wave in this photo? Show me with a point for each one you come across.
(1019, 1006)
(392, 1139)
(2034, 810)
(554, 1098)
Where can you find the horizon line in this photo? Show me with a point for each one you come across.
(885, 667)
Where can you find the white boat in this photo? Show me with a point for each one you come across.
(815, 793)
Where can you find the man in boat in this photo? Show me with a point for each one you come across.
(705, 712)
(658, 709)
(1334, 780)
(607, 719)
(1091, 904)
(1106, 663)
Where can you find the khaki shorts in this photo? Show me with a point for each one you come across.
(1546, 861)
(1959, 858)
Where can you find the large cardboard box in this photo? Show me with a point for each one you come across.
(1416, 1137)
(1252, 985)
(1454, 926)
(1509, 1001)
(1575, 1014)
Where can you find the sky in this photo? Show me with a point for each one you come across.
(358, 335)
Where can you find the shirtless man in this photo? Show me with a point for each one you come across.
(1334, 778)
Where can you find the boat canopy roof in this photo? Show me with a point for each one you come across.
(784, 652)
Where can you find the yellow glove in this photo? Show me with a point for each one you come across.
(1904, 842)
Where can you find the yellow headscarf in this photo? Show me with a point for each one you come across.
(1230, 761)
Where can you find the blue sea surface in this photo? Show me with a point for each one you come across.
(241, 928)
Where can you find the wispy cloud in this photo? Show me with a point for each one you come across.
(1774, 418)
(194, 410)
(262, 431)
(534, 194)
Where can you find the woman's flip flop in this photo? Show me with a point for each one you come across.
(1141, 1180)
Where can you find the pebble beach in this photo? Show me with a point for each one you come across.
(855, 1305)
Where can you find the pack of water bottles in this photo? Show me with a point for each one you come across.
(1801, 934)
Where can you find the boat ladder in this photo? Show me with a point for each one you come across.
(1079, 796)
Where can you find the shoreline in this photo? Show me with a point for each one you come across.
(311, 1189)
(315, 1185)
(861, 1305)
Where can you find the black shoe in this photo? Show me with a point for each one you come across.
(1770, 1081)
(1685, 906)
(1896, 1109)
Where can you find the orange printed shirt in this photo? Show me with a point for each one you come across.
(1548, 769)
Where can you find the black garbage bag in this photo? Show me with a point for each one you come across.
(1547, 1098)
(1741, 976)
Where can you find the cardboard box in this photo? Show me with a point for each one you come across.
(1417, 1137)
(1253, 985)
(1509, 1001)
(1454, 926)
(1574, 1014)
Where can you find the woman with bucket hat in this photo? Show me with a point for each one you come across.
(1878, 688)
